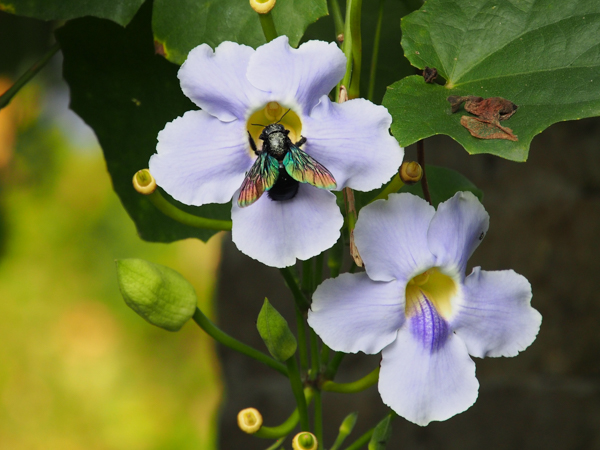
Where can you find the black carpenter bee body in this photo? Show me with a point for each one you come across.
(280, 167)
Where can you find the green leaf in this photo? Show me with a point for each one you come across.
(542, 55)
(443, 184)
(127, 94)
(159, 294)
(119, 11)
(180, 26)
(381, 434)
(275, 333)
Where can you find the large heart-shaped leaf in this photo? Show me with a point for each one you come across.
(181, 26)
(127, 94)
(120, 11)
(542, 55)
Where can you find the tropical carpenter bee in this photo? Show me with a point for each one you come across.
(280, 166)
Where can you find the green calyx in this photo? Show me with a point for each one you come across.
(160, 295)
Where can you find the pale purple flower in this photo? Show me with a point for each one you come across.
(415, 305)
(203, 156)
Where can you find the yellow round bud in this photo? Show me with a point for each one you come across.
(305, 441)
(411, 172)
(262, 6)
(144, 182)
(249, 420)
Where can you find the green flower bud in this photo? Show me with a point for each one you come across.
(276, 333)
(157, 293)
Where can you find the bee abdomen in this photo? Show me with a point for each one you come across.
(285, 188)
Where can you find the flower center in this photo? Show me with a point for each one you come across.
(433, 285)
(273, 112)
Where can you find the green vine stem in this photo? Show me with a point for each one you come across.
(338, 20)
(301, 331)
(220, 336)
(333, 366)
(318, 420)
(393, 186)
(299, 297)
(364, 439)
(263, 8)
(298, 390)
(290, 423)
(356, 386)
(7, 96)
(170, 210)
(268, 26)
(355, 30)
(375, 56)
(145, 184)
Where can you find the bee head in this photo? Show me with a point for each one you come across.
(271, 129)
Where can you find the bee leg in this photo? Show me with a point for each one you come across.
(301, 141)
(252, 144)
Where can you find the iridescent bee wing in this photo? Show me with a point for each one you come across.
(305, 169)
(260, 178)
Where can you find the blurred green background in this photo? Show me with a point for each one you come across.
(78, 369)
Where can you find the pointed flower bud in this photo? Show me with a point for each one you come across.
(249, 420)
(157, 293)
(305, 441)
(411, 172)
(276, 333)
(144, 182)
(262, 6)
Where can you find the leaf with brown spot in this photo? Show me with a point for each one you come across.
(487, 129)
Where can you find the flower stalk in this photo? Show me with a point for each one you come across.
(298, 391)
(290, 423)
(421, 160)
(223, 338)
(375, 57)
(356, 386)
(263, 8)
(144, 183)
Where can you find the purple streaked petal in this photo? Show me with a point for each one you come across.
(391, 236)
(200, 159)
(496, 317)
(297, 76)
(456, 231)
(352, 313)
(426, 325)
(421, 385)
(352, 140)
(216, 81)
(277, 232)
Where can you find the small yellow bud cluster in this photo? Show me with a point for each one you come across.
(262, 6)
(305, 441)
(411, 172)
(144, 182)
(249, 420)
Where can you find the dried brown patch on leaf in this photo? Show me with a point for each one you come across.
(487, 129)
(489, 112)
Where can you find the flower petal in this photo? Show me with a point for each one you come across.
(216, 81)
(297, 76)
(496, 317)
(277, 232)
(201, 159)
(422, 385)
(456, 230)
(352, 140)
(391, 237)
(353, 313)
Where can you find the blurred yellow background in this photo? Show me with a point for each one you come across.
(78, 368)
